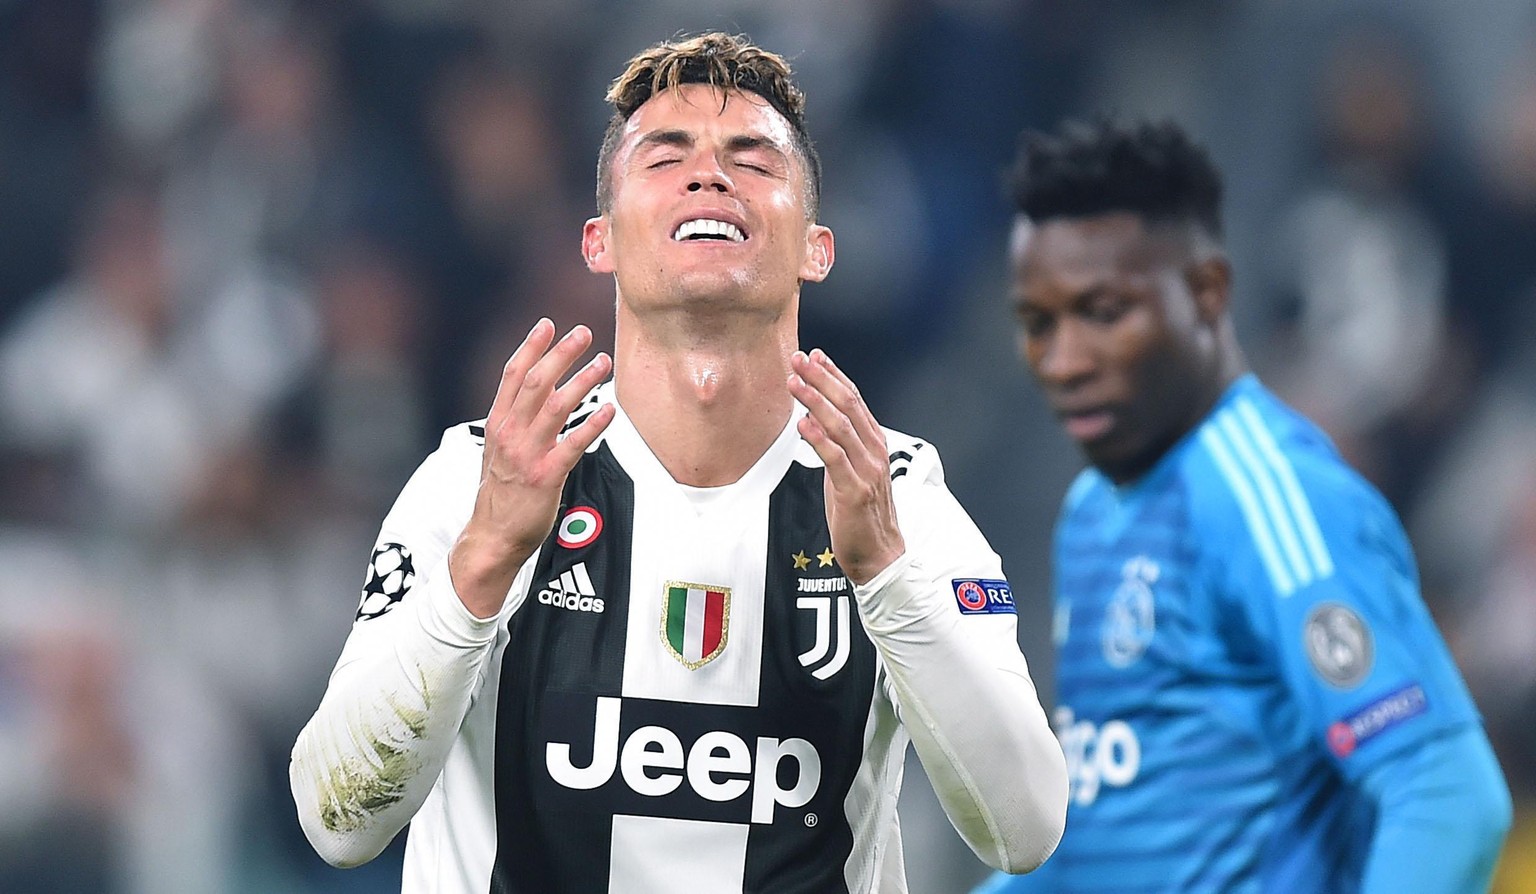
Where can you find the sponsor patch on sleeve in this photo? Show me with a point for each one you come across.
(980, 596)
(1392, 709)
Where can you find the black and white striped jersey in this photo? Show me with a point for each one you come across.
(683, 691)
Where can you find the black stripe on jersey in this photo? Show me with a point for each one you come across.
(586, 408)
(560, 665)
(806, 849)
(557, 662)
(901, 460)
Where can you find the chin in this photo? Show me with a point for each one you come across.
(1122, 465)
(722, 289)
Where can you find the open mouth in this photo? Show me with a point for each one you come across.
(705, 228)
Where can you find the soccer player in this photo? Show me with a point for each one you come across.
(1252, 696)
(674, 631)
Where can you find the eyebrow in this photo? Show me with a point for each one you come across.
(682, 139)
(1024, 299)
(746, 142)
(679, 138)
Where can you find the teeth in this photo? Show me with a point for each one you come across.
(706, 227)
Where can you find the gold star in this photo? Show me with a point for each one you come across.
(801, 560)
(824, 559)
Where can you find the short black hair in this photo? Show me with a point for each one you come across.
(1153, 169)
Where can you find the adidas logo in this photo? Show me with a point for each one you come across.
(572, 590)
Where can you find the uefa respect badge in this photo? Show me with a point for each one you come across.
(983, 596)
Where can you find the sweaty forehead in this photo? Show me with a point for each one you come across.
(704, 112)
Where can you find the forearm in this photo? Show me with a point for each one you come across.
(1442, 812)
(974, 717)
(366, 761)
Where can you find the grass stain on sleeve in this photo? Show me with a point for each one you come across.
(356, 788)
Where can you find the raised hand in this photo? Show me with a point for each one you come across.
(860, 512)
(526, 462)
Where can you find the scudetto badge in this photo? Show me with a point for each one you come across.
(695, 621)
(1339, 644)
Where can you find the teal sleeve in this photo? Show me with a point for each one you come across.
(1037, 882)
(1443, 810)
(1003, 883)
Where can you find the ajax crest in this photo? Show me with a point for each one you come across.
(1130, 618)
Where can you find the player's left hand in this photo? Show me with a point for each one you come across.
(860, 512)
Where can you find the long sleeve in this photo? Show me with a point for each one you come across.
(961, 686)
(365, 762)
(1442, 811)
(408, 673)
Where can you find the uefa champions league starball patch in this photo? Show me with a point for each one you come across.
(578, 527)
(390, 576)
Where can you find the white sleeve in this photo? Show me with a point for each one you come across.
(409, 671)
(960, 684)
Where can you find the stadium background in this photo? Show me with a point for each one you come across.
(254, 255)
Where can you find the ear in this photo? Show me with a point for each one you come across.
(1210, 283)
(819, 253)
(594, 245)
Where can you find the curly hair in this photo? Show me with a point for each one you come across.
(729, 62)
(1153, 169)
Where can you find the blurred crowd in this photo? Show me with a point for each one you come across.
(255, 255)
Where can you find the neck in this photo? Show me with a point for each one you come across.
(708, 396)
(1226, 365)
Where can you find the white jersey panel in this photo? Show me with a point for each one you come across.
(718, 545)
(652, 854)
(455, 852)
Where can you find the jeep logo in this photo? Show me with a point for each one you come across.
(718, 766)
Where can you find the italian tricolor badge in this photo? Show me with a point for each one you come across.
(695, 621)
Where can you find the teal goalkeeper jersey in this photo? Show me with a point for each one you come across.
(1239, 636)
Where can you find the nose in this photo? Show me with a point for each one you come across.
(709, 174)
(1065, 357)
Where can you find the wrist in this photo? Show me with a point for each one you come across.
(866, 570)
(482, 574)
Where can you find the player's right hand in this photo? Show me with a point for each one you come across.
(526, 462)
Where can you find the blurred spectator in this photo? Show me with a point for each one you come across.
(47, 151)
(360, 423)
(127, 387)
(157, 73)
(1366, 348)
(1494, 269)
(499, 155)
(66, 760)
(88, 381)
